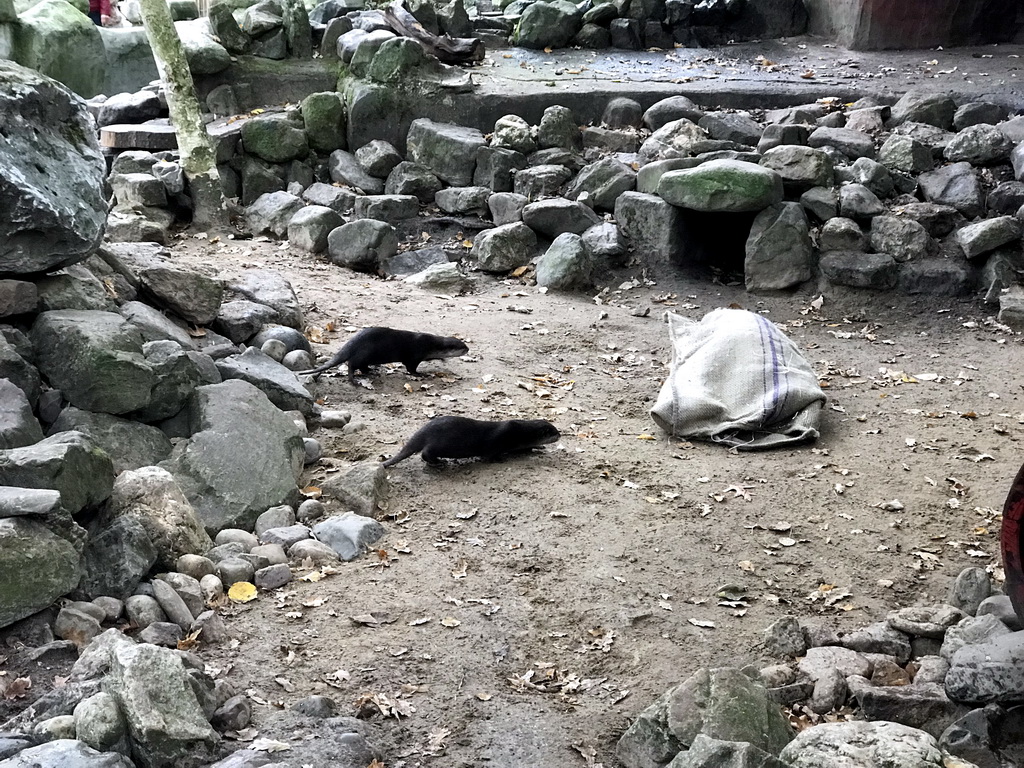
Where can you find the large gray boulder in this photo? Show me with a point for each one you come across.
(719, 703)
(18, 370)
(309, 227)
(279, 384)
(859, 744)
(157, 694)
(228, 493)
(129, 444)
(540, 180)
(566, 265)
(51, 169)
(548, 24)
(851, 143)
(270, 288)
(557, 215)
(985, 236)
(706, 752)
(18, 425)
(954, 185)
(800, 167)
(271, 213)
(504, 248)
(992, 672)
(349, 535)
(362, 245)
(979, 145)
(779, 253)
(67, 462)
(935, 109)
(38, 567)
(906, 154)
(276, 138)
(46, 31)
(651, 225)
(205, 55)
(65, 753)
(558, 128)
(191, 295)
(95, 358)
(722, 186)
(677, 138)
(177, 373)
(116, 558)
(902, 238)
(860, 270)
(324, 118)
(449, 151)
(603, 181)
(151, 497)
(345, 169)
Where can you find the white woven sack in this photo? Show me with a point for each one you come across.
(737, 379)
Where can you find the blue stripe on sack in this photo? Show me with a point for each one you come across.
(779, 392)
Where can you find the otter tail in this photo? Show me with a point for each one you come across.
(340, 357)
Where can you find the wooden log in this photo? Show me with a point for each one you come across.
(450, 50)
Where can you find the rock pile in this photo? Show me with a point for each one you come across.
(643, 24)
(924, 196)
(930, 686)
(129, 384)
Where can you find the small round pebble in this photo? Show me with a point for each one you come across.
(273, 553)
(335, 419)
(238, 536)
(143, 610)
(212, 628)
(317, 707)
(90, 608)
(195, 566)
(233, 715)
(313, 451)
(275, 349)
(60, 727)
(299, 360)
(352, 427)
(315, 551)
(222, 551)
(275, 517)
(311, 509)
(112, 607)
(234, 569)
(273, 576)
(211, 587)
(162, 633)
(299, 421)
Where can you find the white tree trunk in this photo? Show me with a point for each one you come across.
(198, 159)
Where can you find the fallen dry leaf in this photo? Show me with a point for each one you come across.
(242, 592)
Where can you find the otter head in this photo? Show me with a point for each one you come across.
(544, 432)
(448, 346)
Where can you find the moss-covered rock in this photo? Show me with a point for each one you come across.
(38, 567)
(396, 60)
(323, 115)
(722, 186)
(548, 24)
(58, 40)
(274, 138)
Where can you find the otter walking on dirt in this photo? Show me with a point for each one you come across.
(456, 437)
(375, 346)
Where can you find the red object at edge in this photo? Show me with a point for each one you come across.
(1010, 541)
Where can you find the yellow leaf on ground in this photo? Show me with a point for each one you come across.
(242, 592)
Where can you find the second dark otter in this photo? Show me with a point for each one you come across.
(456, 437)
(375, 346)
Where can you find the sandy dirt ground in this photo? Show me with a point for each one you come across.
(529, 608)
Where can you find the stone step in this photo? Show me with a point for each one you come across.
(153, 136)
